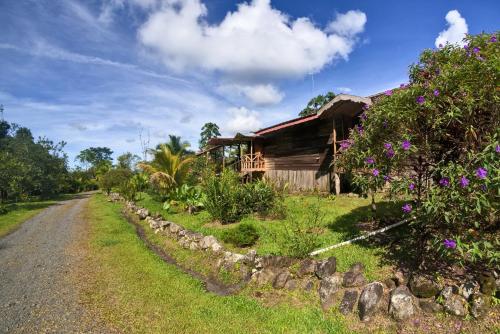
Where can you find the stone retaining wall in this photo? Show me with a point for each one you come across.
(401, 296)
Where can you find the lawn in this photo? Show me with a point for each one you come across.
(18, 213)
(340, 218)
(137, 292)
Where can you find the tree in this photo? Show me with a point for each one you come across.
(95, 156)
(435, 143)
(208, 131)
(128, 161)
(168, 170)
(176, 145)
(115, 177)
(315, 104)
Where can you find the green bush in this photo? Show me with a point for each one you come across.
(244, 235)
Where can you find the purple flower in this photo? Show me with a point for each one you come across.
(420, 99)
(412, 186)
(436, 92)
(444, 182)
(481, 173)
(389, 153)
(388, 92)
(403, 86)
(497, 149)
(366, 107)
(438, 71)
(345, 144)
(360, 129)
(480, 58)
(363, 116)
(406, 145)
(493, 39)
(466, 47)
(464, 182)
(387, 178)
(370, 160)
(476, 50)
(387, 146)
(440, 45)
(384, 124)
(375, 172)
(406, 208)
(448, 243)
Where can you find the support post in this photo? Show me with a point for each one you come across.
(223, 157)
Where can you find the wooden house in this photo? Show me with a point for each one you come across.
(300, 152)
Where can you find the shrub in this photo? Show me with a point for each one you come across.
(244, 235)
(187, 198)
(435, 142)
(264, 198)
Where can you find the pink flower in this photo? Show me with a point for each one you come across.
(388, 92)
(375, 172)
(406, 208)
(406, 145)
(436, 92)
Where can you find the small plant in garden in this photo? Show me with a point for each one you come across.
(435, 142)
(244, 235)
(186, 197)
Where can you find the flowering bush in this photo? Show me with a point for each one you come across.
(435, 143)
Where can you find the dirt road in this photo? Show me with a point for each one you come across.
(37, 294)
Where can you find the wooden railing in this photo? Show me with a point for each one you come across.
(252, 162)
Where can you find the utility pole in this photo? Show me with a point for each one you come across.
(1, 112)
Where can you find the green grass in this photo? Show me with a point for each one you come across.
(18, 213)
(340, 218)
(139, 293)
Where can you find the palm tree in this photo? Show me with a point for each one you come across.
(168, 170)
(176, 145)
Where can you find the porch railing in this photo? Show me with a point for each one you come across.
(252, 162)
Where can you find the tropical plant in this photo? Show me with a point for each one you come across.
(176, 145)
(116, 177)
(243, 235)
(315, 104)
(435, 141)
(186, 197)
(167, 170)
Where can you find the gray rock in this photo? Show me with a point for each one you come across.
(216, 247)
(429, 305)
(307, 267)
(487, 282)
(369, 300)
(389, 283)
(326, 267)
(424, 287)
(291, 284)
(357, 267)
(467, 289)
(281, 279)
(308, 285)
(265, 276)
(174, 228)
(142, 213)
(456, 305)
(353, 279)
(275, 261)
(207, 242)
(250, 257)
(400, 278)
(193, 245)
(348, 301)
(401, 306)
(328, 289)
(480, 305)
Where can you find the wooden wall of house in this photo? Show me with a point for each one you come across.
(301, 155)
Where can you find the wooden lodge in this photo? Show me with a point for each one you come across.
(300, 152)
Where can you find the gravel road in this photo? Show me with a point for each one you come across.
(37, 294)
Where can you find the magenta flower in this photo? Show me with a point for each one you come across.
(493, 39)
(390, 153)
(345, 144)
(481, 173)
(375, 172)
(370, 160)
(436, 92)
(406, 208)
(497, 149)
(476, 50)
(406, 145)
(464, 182)
(448, 243)
(387, 146)
(420, 99)
(412, 186)
(444, 182)
(388, 92)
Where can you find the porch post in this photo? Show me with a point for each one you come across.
(223, 157)
(336, 178)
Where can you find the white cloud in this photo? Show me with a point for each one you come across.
(259, 95)
(457, 28)
(343, 89)
(242, 120)
(348, 24)
(254, 43)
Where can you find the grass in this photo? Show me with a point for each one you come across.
(137, 292)
(340, 218)
(18, 213)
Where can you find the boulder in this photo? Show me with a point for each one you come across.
(401, 305)
(265, 276)
(281, 279)
(487, 282)
(456, 305)
(216, 247)
(400, 278)
(193, 245)
(369, 299)
(291, 284)
(207, 242)
(389, 283)
(276, 261)
(308, 285)
(174, 228)
(353, 279)
(328, 288)
(164, 224)
(142, 213)
(429, 305)
(250, 257)
(424, 287)
(348, 301)
(479, 305)
(467, 289)
(357, 267)
(307, 267)
(326, 268)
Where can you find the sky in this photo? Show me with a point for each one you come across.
(125, 73)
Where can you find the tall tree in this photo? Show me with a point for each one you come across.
(208, 131)
(176, 145)
(127, 161)
(315, 104)
(95, 156)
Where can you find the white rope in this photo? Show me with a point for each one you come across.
(361, 237)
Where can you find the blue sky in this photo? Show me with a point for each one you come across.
(101, 72)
